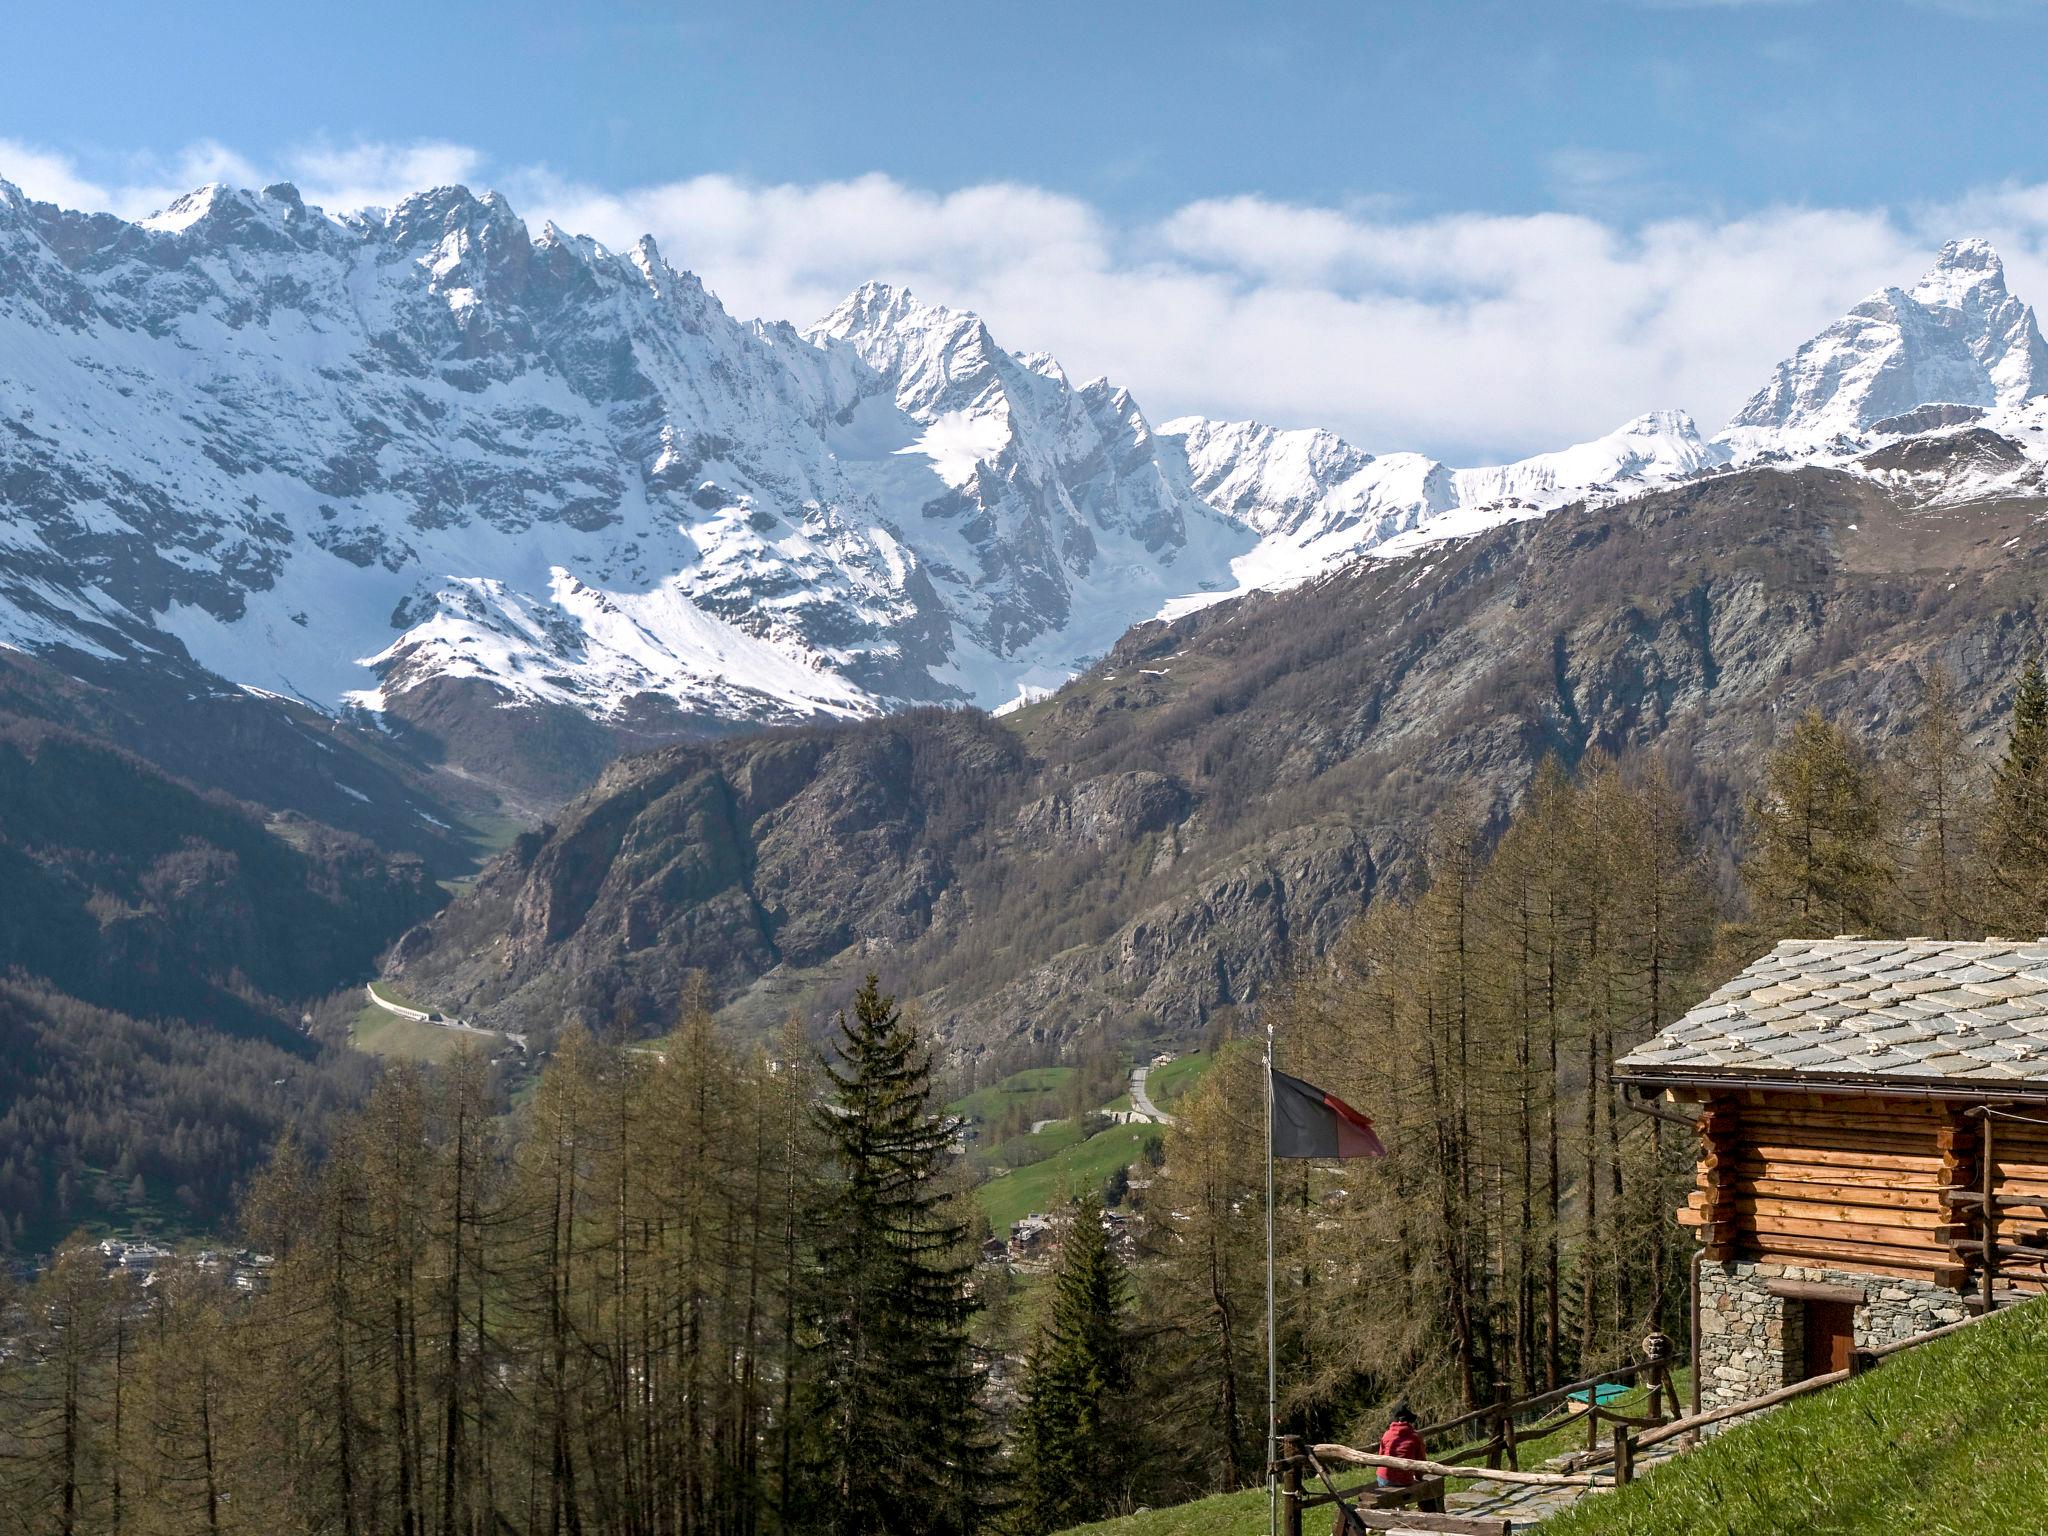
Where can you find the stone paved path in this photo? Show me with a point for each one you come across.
(1528, 1507)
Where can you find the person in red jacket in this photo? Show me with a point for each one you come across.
(1403, 1439)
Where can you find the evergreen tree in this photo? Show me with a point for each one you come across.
(2019, 822)
(1072, 1442)
(908, 1449)
(1818, 865)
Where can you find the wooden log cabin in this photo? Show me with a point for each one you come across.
(1873, 1125)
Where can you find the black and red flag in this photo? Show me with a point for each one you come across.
(1308, 1122)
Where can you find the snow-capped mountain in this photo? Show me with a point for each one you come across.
(1957, 338)
(1065, 519)
(340, 458)
(1318, 501)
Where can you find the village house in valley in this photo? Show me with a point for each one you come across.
(1873, 1123)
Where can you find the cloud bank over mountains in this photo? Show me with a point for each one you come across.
(1472, 335)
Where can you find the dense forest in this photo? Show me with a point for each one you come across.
(706, 1288)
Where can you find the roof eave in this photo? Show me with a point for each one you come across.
(1972, 1090)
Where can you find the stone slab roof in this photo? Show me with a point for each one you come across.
(1876, 1011)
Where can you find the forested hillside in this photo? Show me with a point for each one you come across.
(162, 938)
(710, 1286)
(129, 889)
(1218, 797)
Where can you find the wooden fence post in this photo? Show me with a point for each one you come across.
(1500, 1427)
(1990, 1222)
(1291, 1460)
(1624, 1456)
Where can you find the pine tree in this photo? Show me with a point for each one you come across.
(1072, 1451)
(2019, 821)
(1818, 865)
(907, 1444)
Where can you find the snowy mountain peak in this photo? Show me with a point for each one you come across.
(341, 458)
(1959, 338)
(188, 210)
(1965, 272)
(889, 327)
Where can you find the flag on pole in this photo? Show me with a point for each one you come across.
(1307, 1122)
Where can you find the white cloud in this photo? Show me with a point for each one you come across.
(374, 175)
(1471, 335)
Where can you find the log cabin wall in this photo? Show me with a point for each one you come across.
(1830, 1211)
(1808, 1178)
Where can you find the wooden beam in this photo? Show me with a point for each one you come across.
(1924, 1198)
(1839, 1176)
(1816, 1290)
(1769, 1211)
(1862, 1257)
(1344, 1455)
(1826, 1229)
(1919, 1127)
(1927, 1164)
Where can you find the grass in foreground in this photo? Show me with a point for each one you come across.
(1950, 1439)
(1224, 1514)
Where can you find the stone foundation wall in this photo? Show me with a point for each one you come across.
(1752, 1342)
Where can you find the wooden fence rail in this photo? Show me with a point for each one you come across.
(1630, 1437)
(1506, 1433)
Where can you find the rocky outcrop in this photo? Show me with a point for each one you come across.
(1104, 812)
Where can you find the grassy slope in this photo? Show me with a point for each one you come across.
(386, 1034)
(1169, 1082)
(1950, 1438)
(986, 1104)
(1947, 1440)
(1078, 1169)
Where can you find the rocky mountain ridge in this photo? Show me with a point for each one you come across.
(423, 464)
(1155, 845)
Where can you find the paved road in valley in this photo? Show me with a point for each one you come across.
(1141, 1101)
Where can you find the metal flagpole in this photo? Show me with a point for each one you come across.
(1272, 1348)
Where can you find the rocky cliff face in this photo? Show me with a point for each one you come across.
(1216, 798)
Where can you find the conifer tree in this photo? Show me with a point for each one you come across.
(1072, 1451)
(2019, 821)
(1203, 1281)
(1818, 865)
(1940, 793)
(907, 1445)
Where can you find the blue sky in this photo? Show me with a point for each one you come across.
(1473, 228)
